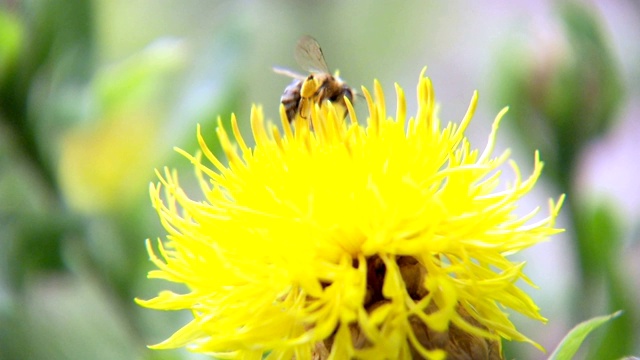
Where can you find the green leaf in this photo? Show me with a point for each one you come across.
(11, 33)
(571, 343)
(142, 76)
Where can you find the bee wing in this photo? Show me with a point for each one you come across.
(289, 73)
(309, 55)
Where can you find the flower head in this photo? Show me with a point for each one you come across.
(384, 240)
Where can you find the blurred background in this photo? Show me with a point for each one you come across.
(94, 95)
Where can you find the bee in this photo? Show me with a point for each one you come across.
(315, 88)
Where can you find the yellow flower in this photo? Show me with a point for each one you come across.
(388, 240)
(102, 164)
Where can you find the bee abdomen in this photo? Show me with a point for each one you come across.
(291, 99)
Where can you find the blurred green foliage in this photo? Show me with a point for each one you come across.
(565, 96)
(564, 101)
(95, 94)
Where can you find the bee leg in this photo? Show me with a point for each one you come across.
(303, 108)
(308, 92)
(309, 87)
